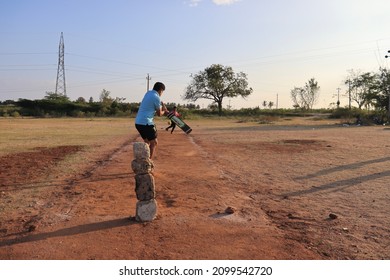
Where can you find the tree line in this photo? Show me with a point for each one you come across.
(58, 105)
(367, 90)
(216, 83)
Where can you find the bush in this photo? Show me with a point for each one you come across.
(360, 116)
(15, 114)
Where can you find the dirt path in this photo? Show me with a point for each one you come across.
(92, 217)
(278, 214)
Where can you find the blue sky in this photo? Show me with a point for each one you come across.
(114, 44)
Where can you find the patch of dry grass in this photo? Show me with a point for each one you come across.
(21, 135)
(25, 134)
(97, 137)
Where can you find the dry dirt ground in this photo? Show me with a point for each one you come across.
(307, 191)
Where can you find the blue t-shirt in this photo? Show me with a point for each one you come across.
(150, 103)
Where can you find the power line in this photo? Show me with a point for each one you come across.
(28, 53)
(25, 65)
(27, 69)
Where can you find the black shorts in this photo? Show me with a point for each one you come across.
(147, 131)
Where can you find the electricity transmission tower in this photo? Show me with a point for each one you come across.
(60, 84)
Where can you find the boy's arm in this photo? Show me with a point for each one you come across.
(162, 110)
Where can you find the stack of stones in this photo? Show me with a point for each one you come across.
(146, 208)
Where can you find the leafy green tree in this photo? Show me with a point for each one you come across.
(383, 87)
(216, 83)
(106, 102)
(105, 97)
(81, 100)
(56, 97)
(362, 87)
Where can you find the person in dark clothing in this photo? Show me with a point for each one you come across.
(173, 125)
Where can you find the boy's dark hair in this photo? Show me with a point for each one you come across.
(158, 86)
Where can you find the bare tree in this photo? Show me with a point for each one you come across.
(311, 92)
(306, 97)
(296, 96)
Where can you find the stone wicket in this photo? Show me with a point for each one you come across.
(146, 207)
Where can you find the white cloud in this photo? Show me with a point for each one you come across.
(194, 3)
(224, 2)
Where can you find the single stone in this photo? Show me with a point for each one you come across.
(333, 216)
(146, 211)
(141, 150)
(142, 166)
(144, 187)
(230, 210)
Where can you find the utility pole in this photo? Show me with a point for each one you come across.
(60, 84)
(148, 78)
(338, 97)
(277, 100)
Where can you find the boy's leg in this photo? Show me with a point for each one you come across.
(149, 132)
(152, 146)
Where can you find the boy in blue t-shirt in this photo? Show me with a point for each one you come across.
(151, 105)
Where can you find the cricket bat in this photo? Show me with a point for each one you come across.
(179, 122)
